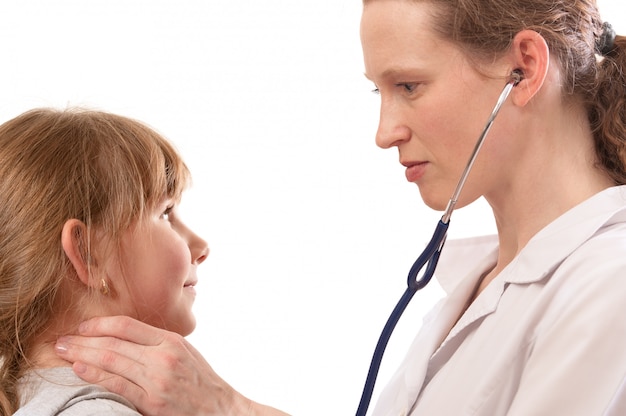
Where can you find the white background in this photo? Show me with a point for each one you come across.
(311, 227)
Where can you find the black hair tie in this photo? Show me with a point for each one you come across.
(606, 41)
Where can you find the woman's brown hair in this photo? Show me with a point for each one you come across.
(591, 69)
(103, 169)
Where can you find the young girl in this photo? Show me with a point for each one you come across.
(533, 321)
(88, 227)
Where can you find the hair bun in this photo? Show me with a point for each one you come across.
(606, 41)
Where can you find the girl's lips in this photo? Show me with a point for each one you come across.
(190, 288)
(415, 171)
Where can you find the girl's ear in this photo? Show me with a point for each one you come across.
(74, 240)
(530, 54)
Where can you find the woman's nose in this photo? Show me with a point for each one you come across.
(392, 130)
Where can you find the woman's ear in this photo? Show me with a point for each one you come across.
(530, 55)
(74, 240)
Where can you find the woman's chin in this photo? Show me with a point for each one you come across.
(439, 201)
(435, 202)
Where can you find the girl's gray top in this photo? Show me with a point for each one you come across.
(58, 391)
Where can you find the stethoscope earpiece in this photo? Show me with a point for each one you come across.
(516, 76)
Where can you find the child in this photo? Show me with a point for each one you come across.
(88, 227)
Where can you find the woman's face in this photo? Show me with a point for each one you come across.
(434, 103)
(154, 276)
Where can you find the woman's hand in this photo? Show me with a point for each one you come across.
(156, 370)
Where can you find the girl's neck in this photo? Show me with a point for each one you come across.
(42, 355)
(40, 350)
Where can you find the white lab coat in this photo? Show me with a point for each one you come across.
(546, 337)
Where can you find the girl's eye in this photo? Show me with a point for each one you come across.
(167, 213)
(376, 91)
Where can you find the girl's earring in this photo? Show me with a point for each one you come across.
(104, 287)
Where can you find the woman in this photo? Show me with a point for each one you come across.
(88, 227)
(530, 324)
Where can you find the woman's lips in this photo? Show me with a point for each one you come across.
(415, 170)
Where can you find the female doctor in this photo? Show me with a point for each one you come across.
(531, 324)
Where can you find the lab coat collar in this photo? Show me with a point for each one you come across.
(545, 251)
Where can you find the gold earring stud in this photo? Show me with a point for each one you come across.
(104, 287)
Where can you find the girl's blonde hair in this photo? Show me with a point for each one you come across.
(103, 169)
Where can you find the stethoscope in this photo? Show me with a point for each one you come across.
(430, 255)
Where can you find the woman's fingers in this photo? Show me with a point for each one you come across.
(122, 327)
(111, 382)
(108, 355)
(158, 371)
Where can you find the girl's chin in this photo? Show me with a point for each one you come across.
(182, 327)
(188, 327)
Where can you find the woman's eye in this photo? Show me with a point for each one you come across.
(408, 87)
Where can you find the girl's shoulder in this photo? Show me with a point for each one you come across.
(58, 391)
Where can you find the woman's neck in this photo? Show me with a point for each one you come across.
(558, 171)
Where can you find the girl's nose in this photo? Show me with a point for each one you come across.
(199, 249)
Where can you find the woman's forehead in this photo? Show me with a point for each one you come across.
(396, 36)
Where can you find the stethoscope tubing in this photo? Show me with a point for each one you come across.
(429, 257)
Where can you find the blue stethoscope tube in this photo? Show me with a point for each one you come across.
(429, 257)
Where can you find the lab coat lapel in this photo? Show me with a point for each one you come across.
(448, 324)
(404, 387)
(402, 391)
(460, 285)
(484, 305)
